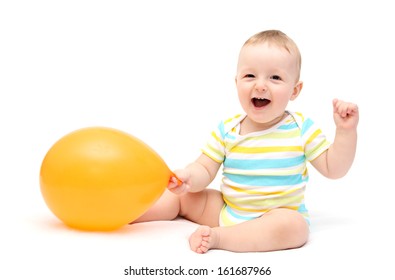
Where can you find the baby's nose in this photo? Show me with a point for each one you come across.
(261, 85)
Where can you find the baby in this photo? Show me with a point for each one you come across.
(264, 153)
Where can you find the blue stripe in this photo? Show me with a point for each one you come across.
(254, 164)
(221, 128)
(306, 125)
(288, 126)
(252, 180)
(237, 216)
(302, 208)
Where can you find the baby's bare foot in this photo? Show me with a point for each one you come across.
(203, 239)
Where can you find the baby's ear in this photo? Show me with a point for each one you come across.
(296, 91)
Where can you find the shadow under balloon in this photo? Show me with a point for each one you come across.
(142, 228)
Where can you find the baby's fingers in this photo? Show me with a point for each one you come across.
(176, 186)
(344, 109)
(173, 183)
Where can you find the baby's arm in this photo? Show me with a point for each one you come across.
(195, 177)
(337, 160)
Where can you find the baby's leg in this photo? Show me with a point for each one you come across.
(278, 229)
(165, 209)
(201, 207)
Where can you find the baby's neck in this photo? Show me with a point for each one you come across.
(249, 126)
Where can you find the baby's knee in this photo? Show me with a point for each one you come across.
(190, 203)
(291, 227)
(201, 207)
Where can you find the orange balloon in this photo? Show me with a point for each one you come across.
(101, 178)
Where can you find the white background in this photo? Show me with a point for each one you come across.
(164, 72)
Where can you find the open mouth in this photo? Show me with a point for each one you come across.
(260, 102)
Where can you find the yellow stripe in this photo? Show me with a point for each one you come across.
(213, 153)
(253, 192)
(218, 139)
(252, 150)
(318, 148)
(299, 169)
(224, 215)
(300, 115)
(262, 209)
(314, 135)
(231, 119)
(277, 135)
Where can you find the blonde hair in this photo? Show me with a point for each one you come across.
(279, 39)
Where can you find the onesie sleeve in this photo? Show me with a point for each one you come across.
(215, 147)
(315, 142)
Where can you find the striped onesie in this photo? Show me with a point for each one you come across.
(266, 169)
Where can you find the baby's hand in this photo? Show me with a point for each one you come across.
(345, 114)
(179, 183)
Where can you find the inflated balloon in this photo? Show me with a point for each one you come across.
(101, 178)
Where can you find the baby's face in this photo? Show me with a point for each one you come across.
(267, 78)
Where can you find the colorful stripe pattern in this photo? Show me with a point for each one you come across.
(264, 170)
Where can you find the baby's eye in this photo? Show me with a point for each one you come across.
(249, 76)
(276, 77)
